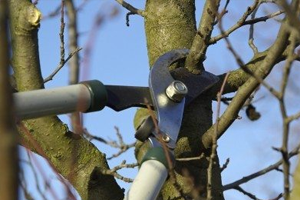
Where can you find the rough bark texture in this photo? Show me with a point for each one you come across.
(171, 25)
(9, 138)
(201, 40)
(81, 167)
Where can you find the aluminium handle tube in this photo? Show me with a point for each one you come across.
(149, 181)
(151, 176)
(83, 97)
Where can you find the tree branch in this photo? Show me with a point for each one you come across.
(201, 41)
(286, 123)
(213, 154)
(50, 133)
(250, 85)
(130, 8)
(237, 25)
(274, 166)
(263, 19)
(61, 65)
(9, 167)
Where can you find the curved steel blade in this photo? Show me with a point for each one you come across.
(169, 113)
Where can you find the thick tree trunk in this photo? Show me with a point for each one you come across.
(48, 136)
(172, 25)
(8, 135)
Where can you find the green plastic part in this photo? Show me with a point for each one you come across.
(98, 95)
(158, 153)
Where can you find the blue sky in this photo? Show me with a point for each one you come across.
(119, 57)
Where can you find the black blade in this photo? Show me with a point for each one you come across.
(123, 97)
(196, 84)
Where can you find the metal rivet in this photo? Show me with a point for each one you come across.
(166, 138)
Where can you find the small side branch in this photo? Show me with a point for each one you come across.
(120, 144)
(231, 113)
(251, 35)
(263, 19)
(131, 9)
(61, 65)
(293, 117)
(214, 143)
(237, 25)
(260, 172)
(114, 172)
(201, 41)
(252, 196)
(225, 165)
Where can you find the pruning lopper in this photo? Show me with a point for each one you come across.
(168, 94)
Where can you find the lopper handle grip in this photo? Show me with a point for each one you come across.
(83, 97)
(151, 176)
(149, 181)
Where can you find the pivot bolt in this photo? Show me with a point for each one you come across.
(176, 91)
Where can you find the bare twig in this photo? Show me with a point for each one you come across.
(225, 11)
(61, 65)
(214, 143)
(269, 1)
(191, 158)
(123, 149)
(225, 165)
(130, 8)
(121, 145)
(249, 86)
(237, 25)
(291, 12)
(40, 151)
(251, 196)
(241, 63)
(61, 33)
(286, 123)
(274, 166)
(229, 45)
(89, 136)
(36, 178)
(114, 172)
(251, 34)
(263, 19)
(124, 165)
(293, 117)
(73, 53)
(127, 17)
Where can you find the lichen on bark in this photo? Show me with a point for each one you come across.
(171, 25)
(74, 157)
